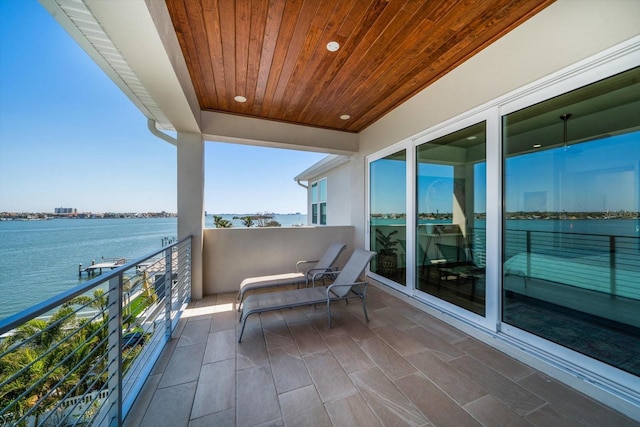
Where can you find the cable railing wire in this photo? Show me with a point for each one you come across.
(63, 363)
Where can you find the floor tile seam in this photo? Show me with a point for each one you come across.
(390, 345)
(315, 385)
(216, 361)
(273, 378)
(423, 375)
(177, 384)
(401, 393)
(148, 405)
(496, 372)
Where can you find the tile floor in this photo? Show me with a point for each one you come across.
(404, 367)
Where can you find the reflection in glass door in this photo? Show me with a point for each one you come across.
(388, 222)
(451, 213)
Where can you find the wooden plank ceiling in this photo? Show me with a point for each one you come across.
(274, 52)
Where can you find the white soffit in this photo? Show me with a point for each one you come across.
(79, 22)
(332, 161)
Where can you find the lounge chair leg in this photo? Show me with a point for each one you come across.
(364, 308)
(329, 312)
(242, 330)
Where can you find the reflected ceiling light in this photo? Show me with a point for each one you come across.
(565, 118)
(537, 145)
(345, 117)
(333, 46)
(471, 138)
(240, 98)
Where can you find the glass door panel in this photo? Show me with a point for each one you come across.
(388, 216)
(451, 212)
(571, 220)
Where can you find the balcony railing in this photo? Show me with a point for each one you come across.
(82, 357)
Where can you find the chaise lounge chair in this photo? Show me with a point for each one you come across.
(322, 267)
(345, 286)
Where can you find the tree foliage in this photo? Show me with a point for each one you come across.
(46, 361)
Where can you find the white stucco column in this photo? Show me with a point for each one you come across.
(191, 202)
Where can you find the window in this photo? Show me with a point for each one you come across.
(388, 216)
(319, 202)
(571, 212)
(451, 211)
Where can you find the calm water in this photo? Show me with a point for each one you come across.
(610, 227)
(39, 259)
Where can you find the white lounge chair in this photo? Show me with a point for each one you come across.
(321, 267)
(345, 286)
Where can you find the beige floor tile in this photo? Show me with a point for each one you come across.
(328, 376)
(195, 332)
(387, 402)
(165, 356)
(167, 410)
(303, 407)
(307, 338)
(432, 402)
(289, 370)
(569, 401)
(549, 416)
(400, 342)
(386, 358)
(491, 412)
(516, 397)
(438, 346)
(507, 366)
(439, 328)
(225, 418)
(392, 316)
(220, 346)
(277, 334)
(257, 400)
(357, 329)
(456, 381)
(184, 365)
(136, 414)
(446, 378)
(252, 351)
(224, 320)
(351, 411)
(348, 353)
(216, 388)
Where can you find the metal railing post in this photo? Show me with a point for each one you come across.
(168, 287)
(612, 265)
(115, 353)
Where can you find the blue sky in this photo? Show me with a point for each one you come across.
(70, 138)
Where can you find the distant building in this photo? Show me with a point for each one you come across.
(66, 211)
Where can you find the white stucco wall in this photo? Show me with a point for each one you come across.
(339, 195)
(564, 33)
(233, 254)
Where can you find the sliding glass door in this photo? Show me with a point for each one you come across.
(571, 225)
(450, 211)
(388, 216)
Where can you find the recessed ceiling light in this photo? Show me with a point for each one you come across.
(333, 46)
(345, 117)
(471, 138)
(240, 98)
(537, 145)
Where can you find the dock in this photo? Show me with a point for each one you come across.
(94, 268)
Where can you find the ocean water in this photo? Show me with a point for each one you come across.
(39, 259)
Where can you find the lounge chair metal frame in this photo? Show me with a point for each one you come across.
(345, 287)
(323, 267)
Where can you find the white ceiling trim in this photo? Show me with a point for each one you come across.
(80, 23)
